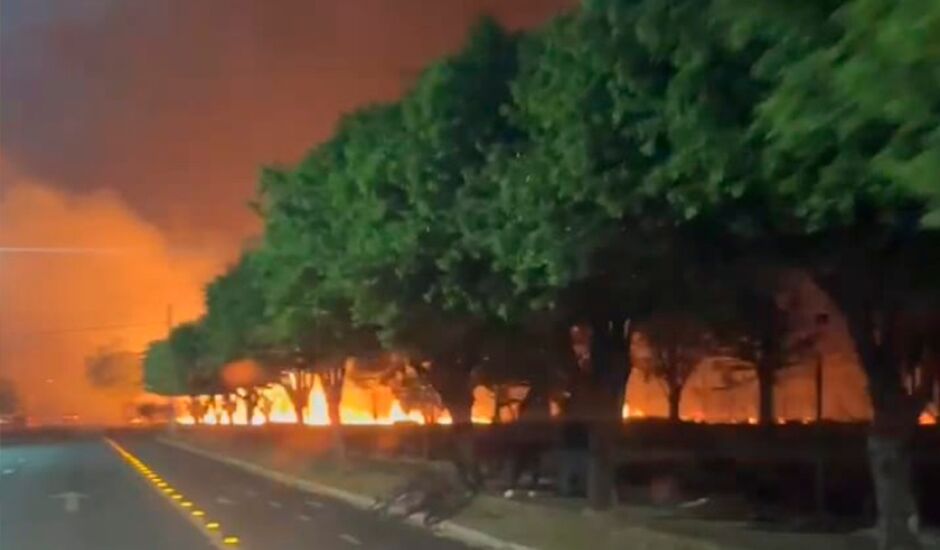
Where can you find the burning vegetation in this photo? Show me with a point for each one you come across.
(627, 194)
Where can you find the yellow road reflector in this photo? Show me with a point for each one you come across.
(163, 486)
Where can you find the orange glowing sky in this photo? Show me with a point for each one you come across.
(78, 272)
(175, 105)
(141, 126)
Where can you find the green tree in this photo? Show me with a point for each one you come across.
(364, 219)
(189, 346)
(309, 331)
(235, 312)
(848, 145)
(234, 323)
(632, 119)
(761, 324)
(414, 392)
(162, 373)
(115, 370)
(678, 344)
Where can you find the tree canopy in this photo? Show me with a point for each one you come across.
(606, 171)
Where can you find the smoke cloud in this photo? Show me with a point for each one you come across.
(175, 105)
(79, 272)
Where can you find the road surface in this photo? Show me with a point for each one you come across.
(82, 495)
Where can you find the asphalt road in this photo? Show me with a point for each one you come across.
(116, 508)
(111, 507)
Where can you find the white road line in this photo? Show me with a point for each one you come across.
(314, 503)
(71, 499)
(351, 539)
(275, 504)
(303, 517)
(225, 501)
(9, 471)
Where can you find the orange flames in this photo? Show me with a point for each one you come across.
(378, 406)
(374, 406)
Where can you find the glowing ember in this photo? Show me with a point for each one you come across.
(628, 412)
(927, 419)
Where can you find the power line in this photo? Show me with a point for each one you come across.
(60, 250)
(82, 329)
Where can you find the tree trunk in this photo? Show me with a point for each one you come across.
(765, 395)
(464, 444)
(450, 378)
(872, 325)
(536, 406)
(217, 410)
(675, 397)
(332, 379)
(497, 403)
(231, 407)
(336, 428)
(769, 362)
(298, 385)
(195, 410)
(601, 468)
(251, 402)
(898, 519)
(299, 407)
(610, 370)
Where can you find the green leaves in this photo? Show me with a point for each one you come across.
(161, 374)
(850, 118)
(563, 172)
(235, 307)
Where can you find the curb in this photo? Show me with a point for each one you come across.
(447, 528)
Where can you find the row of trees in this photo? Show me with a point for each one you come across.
(661, 168)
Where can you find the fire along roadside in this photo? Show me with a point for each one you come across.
(446, 528)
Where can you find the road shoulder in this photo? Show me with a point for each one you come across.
(489, 522)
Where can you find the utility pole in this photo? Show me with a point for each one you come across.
(169, 318)
(819, 386)
(822, 319)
